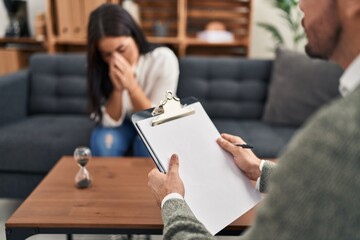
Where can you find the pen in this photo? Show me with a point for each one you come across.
(243, 145)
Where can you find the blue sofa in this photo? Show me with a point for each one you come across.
(44, 111)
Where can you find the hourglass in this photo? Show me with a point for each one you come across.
(82, 156)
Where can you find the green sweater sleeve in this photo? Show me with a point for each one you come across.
(180, 223)
(266, 173)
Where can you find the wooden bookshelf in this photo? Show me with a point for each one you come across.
(26, 40)
(164, 40)
(15, 52)
(66, 23)
(183, 18)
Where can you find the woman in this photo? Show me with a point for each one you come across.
(125, 74)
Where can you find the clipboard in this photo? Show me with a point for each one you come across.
(216, 190)
(160, 116)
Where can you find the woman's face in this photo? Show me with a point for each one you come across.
(125, 46)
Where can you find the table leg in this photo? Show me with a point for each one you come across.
(20, 233)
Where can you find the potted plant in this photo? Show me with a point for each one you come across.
(292, 17)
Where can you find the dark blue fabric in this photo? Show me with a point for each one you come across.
(13, 97)
(233, 93)
(18, 184)
(44, 112)
(36, 144)
(58, 84)
(268, 140)
(117, 141)
(228, 88)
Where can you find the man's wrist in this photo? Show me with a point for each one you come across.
(171, 196)
(253, 171)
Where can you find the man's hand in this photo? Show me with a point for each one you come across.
(122, 73)
(245, 159)
(163, 184)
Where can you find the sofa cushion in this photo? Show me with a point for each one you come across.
(299, 86)
(58, 84)
(18, 184)
(268, 140)
(36, 144)
(232, 88)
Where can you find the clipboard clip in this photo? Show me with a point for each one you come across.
(169, 109)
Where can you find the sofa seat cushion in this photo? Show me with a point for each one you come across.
(268, 140)
(18, 185)
(37, 143)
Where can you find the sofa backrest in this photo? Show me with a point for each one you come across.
(58, 84)
(227, 87)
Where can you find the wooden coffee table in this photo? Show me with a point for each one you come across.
(118, 202)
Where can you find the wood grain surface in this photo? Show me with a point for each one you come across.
(118, 198)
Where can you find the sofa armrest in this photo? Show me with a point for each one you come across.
(13, 96)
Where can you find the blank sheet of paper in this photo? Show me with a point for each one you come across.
(215, 189)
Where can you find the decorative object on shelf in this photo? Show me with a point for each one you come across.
(216, 32)
(160, 28)
(133, 9)
(40, 28)
(16, 11)
(292, 16)
(82, 156)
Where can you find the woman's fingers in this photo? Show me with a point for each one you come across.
(121, 62)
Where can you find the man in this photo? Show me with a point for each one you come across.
(315, 191)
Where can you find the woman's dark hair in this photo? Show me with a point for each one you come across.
(109, 20)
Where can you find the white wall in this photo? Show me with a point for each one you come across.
(35, 7)
(261, 40)
(3, 19)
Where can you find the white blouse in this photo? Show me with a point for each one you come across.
(156, 72)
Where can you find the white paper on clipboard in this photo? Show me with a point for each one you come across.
(216, 191)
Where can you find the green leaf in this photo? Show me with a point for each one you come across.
(292, 17)
(299, 37)
(276, 35)
(285, 5)
(288, 20)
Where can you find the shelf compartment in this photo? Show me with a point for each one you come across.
(234, 14)
(154, 12)
(225, 50)
(197, 42)
(164, 40)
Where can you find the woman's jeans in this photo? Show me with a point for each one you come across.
(109, 141)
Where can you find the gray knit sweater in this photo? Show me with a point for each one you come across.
(314, 193)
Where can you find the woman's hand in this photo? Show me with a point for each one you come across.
(122, 74)
(245, 159)
(115, 75)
